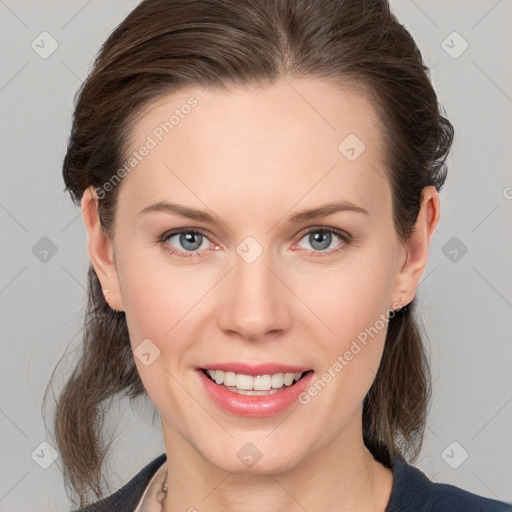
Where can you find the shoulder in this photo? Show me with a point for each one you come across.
(127, 497)
(449, 497)
(414, 491)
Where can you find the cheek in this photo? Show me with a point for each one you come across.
(354, 303)
(159, 310)
(162, 301)
(145, 304)
(353, 298)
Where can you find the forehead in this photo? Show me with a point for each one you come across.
(270, 145)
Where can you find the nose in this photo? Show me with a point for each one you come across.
(255, 302)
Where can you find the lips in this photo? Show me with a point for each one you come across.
(263, 403)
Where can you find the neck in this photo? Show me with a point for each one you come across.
(341, 476)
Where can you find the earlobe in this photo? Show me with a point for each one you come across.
(416, 248)
(101, 250)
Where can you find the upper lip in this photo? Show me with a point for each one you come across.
(257, 369)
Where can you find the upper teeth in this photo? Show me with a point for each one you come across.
(258, 382)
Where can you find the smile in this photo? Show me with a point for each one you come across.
(258, 395)
(244, 384)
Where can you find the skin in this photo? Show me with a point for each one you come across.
(253, 157)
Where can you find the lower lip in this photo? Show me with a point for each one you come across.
(255, 405)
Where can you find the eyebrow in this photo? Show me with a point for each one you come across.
(301, 216)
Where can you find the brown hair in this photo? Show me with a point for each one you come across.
(166, 45)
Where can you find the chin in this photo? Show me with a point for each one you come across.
(256, 458)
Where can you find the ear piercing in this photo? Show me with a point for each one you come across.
(402, 306)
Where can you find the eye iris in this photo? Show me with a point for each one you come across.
(323, 238)
(190, 237)
(320, 236)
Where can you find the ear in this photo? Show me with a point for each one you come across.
(416, 248)
(101, 250)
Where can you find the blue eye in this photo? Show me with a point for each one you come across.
(189, 242)
(321, 238)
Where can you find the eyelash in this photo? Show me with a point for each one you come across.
(345, 237)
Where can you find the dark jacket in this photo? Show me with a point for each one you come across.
(412, 492)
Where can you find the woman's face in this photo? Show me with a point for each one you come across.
(253, 282)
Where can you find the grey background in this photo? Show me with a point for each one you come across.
(466, 298)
